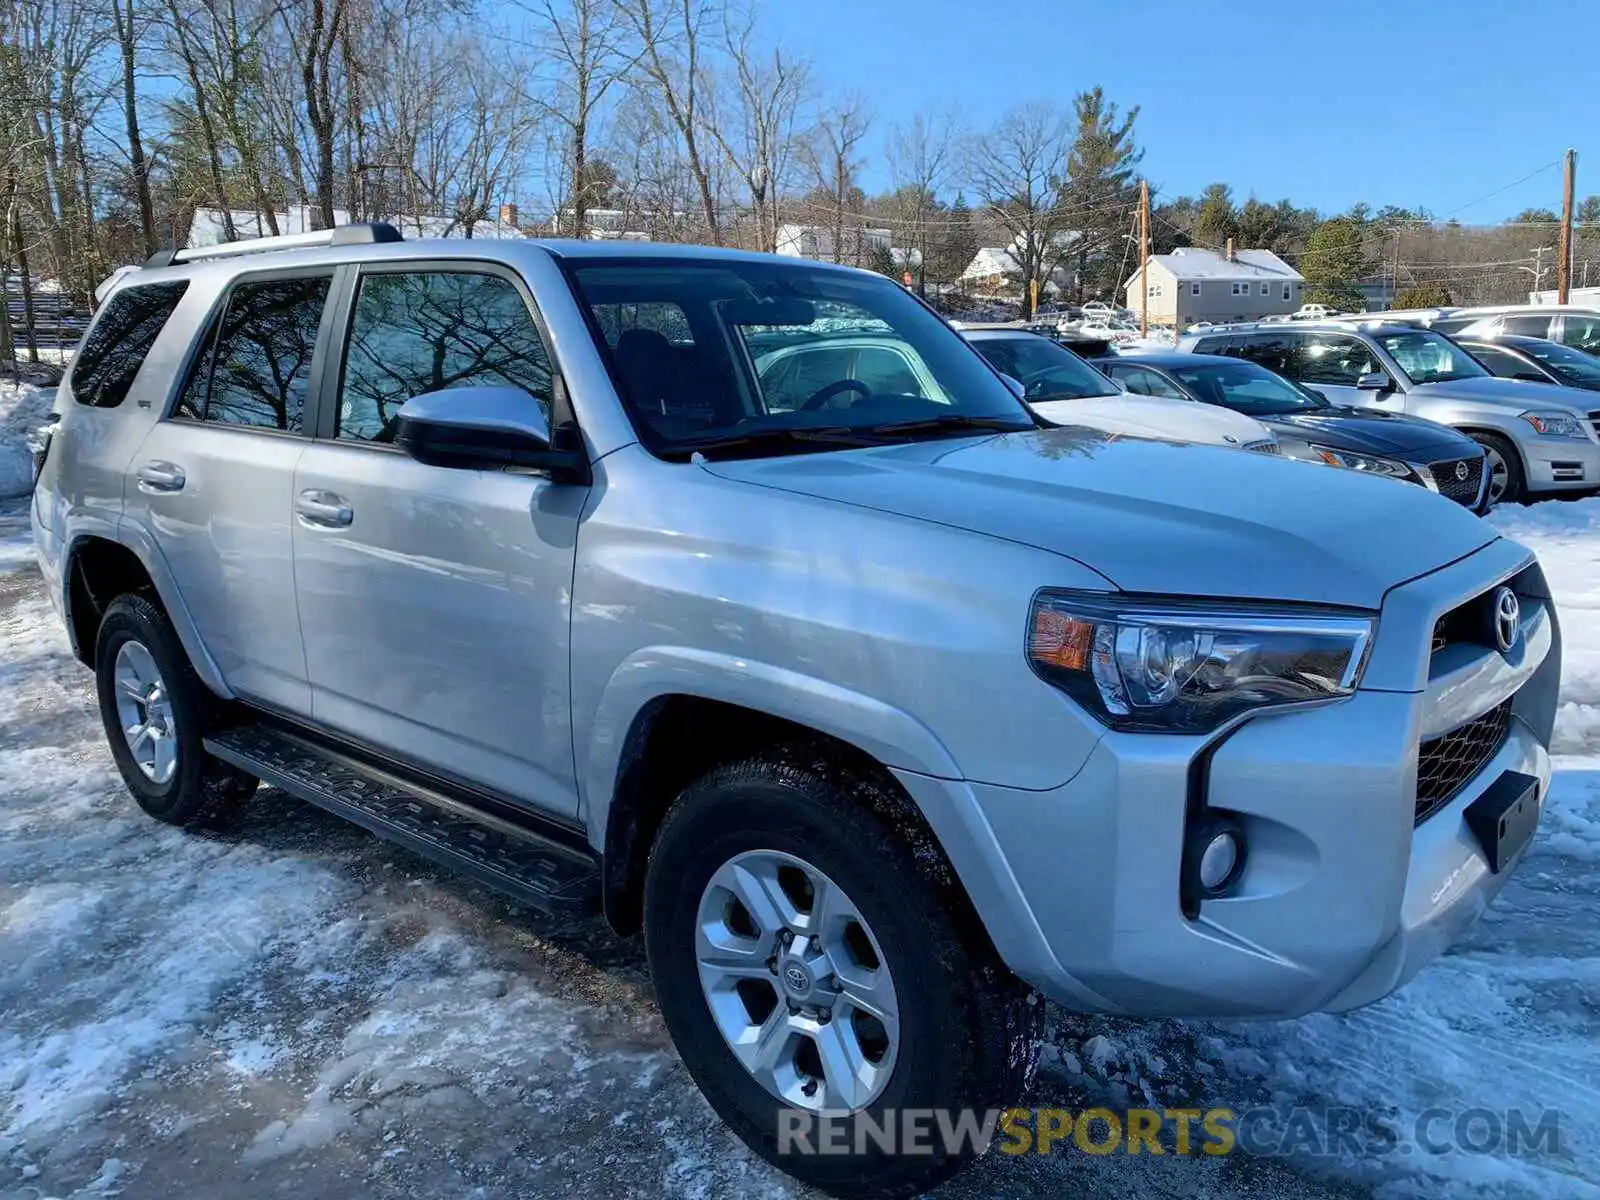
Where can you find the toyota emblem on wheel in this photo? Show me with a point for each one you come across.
(1462, 471)
(1507, 615)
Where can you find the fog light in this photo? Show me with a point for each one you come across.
(1218, 860)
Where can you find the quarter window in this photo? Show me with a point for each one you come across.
(259, 369)
(421, 332)
(105, 365)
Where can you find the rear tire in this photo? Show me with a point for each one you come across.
(963, 1032)
(156, 714)
(1505, 470)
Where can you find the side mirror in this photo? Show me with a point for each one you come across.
(1014, 385)
(1376, 381)
(488, 428)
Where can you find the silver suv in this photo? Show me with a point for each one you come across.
(1538, 438)
(873, 704)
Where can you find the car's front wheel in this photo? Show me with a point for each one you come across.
(156, 713)
(1508, 484)
(811, 963)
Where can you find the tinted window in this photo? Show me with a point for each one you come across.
(1451, 324)
(1147, 383)
(105, 365)
(417, 333)
(1507, 366)
(1574, 366)
(1582, 333)
(1531, 324)
(259, 368)
(1335, 359)
(1045, 370)
(1244, 387)
(1274, 351)
(1211, 345)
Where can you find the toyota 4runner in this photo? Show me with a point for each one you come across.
(876, 706)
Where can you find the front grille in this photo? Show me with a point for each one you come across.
(1264, 446)
(1453, 486)
(1447, 764)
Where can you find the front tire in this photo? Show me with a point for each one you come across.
(156, 714)
(1508, 482)
(809, 957)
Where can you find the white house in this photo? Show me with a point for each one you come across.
(816, 242)
(995, 271)
(1191, 284)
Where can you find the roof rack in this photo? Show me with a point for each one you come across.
(365, 233)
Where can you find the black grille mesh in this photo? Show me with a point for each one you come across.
(1445, 764)
(1462, 491)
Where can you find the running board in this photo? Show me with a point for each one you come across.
(494, 851)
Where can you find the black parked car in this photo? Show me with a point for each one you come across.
(1309, 427)
(1512, 356)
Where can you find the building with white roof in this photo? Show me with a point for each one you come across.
(1192, 284)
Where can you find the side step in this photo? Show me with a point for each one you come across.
(495, 851)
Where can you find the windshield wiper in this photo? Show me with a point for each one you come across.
(778, 440)
(949, 423)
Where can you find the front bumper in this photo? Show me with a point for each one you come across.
(1560, 464)
(1343, 896)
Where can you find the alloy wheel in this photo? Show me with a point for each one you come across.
(1499, 474)
(144, 711)
(796, 982)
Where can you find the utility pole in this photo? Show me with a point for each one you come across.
(1564, 247)
(1144, 259)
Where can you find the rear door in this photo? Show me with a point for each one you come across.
(436, 601)
(213, 480)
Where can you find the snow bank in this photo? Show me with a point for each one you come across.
(22, 406)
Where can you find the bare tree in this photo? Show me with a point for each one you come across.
(921, 152)
(125, 21)
(1018, 168)
(672, 43)
(589, 47)
(840, 130)
(756, 118)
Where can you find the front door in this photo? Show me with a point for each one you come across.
(435, 601)
(213, 482)
(1333, 363)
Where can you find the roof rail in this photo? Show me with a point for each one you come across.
(365, 233)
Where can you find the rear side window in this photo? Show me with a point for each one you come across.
(113, 351)
(431, 331)
(1211, 345)
(1277, 352)
(258, 370)
(1531, 324)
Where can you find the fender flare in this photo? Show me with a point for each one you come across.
(133, 537)
(891, 736)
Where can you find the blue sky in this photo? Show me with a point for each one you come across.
(1435, 103)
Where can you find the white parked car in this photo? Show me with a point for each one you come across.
(1065, 390)
(1314, 312)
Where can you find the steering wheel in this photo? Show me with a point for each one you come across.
(822, 395)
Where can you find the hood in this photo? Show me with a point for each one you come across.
(1369, 429)
(1154, 417)
(1511, 392)
(1153, 516)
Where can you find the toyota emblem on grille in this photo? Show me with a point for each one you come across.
(1462, 472)
(1507, 615)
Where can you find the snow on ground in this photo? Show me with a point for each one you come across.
(22, 406)
(293, 1005)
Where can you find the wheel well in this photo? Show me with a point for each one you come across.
(1500, 434)
(675, 740)
(99, 572)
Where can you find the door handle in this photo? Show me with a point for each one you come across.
(160, 477)
(328, 510)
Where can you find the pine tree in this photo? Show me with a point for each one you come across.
(1334, 260)
(1100, 187)
(1217, 221)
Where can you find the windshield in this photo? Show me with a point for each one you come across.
(1426, 357)
(1574, 366)
(1245, 387)
(771, 356)
(1047, 371)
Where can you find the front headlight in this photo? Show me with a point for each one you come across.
(1556, 425)
(1181, 666)
(1371, 464)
